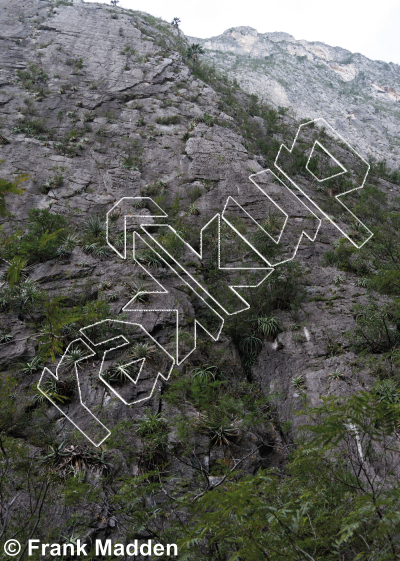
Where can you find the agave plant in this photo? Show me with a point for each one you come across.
(112, 296)
(362, 282)
(338, 280)
(119, 372)
(5, 337)
(193, 209)
(119, 240)
(70, 460)
(220, 427)
(336, 375)
(388, 391)
(97, 250)
(95, 226)
(55, 454)
(250, 345)
(298, 382)
(68, 244)
(139, 203)
(139, 292)
(70, 329)
(105, 284)
(73, 357)
(205, 373)
(22, 296)
(50, 388)
(143, 350)
(268, 326)
(150, 424)
(147, 257)
(33, 366)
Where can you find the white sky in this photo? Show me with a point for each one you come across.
(369, 27)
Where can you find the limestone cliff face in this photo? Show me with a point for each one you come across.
(358, 96)
(97, 104)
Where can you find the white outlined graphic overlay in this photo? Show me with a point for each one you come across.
(320, 150)
(239, 248)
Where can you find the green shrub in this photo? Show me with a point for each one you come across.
(77, 62)
(52, 183)
(22, 297)
(172, 120)
(42, 239)
(220, 426)
(32, 77)
(9, 187)
(376, 328)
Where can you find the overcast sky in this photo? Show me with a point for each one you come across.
(370, 27)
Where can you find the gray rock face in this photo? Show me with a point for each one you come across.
(359, 97)
(120, 114)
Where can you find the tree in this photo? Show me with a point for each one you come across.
(175, 23)
(337, 498)
(194, 51)
(114, 2)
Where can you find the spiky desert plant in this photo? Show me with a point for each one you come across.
(97, 250)
(338, 280)
(205, 373)
(220, 427)
(32, 366)
(193, 209)
(95, 226)
(250, 345)
(268, 326)
(68, 243)
(143, 350)
(138, 291)
(336, 375)
(73, 357)
(388, 391)
(298, 382)
(194, 51)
